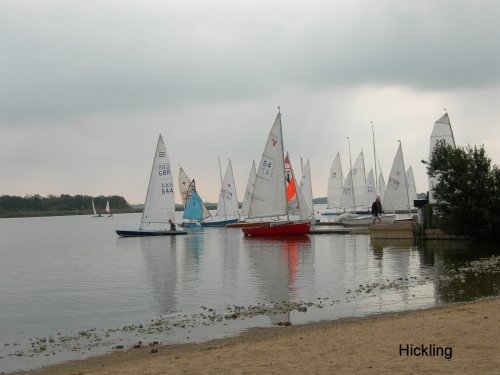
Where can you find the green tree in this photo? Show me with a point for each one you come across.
(467, 194)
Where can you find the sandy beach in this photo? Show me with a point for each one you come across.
(460, 338)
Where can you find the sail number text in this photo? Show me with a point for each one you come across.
(394, 183)
(440, 142)
(267, 167)
(167, 187)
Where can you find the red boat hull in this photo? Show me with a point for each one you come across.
(285, 229)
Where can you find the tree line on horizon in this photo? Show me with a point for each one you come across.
(65, 203)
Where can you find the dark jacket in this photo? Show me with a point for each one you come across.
(376, 208)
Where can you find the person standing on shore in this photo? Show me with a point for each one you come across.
(376, 210)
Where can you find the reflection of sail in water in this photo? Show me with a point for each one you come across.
(277, 263)
(160, 260)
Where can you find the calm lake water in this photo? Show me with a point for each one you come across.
(70, 288)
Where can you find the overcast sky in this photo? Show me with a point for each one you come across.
(87, 86)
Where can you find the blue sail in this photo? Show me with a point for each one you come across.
(194, 207)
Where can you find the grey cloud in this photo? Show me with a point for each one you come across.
(70, 60)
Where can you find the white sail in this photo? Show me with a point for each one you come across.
(412, 189)
(396, 193)
(442, 135)
(159, 207)
(306, 186)
(304, 211)
(381, 186)
(227, 206)
(370, 193)
(184, 183)
(107, 211)
(346, 199)
(268, 198)
(359, 180)
(93, 207)
(335, 184)
(248, 191)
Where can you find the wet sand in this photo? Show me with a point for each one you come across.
(368, 345)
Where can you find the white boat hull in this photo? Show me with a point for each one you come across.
(368, 220)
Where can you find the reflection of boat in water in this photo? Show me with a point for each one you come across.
(276, 261)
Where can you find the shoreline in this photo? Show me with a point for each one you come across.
(370, 344)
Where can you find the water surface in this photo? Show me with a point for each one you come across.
(69, 287)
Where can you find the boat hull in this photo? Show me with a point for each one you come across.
(218, 223)
(148, 233)
(248, 224)
(368, 220)
(285, 229)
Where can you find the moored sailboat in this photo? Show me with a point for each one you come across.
(335, 188)
(270, 195)
(195, 208)
(227, 206)
(159, 208)
(442, 135)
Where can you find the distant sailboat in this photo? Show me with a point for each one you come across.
(396, 193)
(359, 181)
(335, 187)
(370, 193)
(195, 208)
(159, 208)
(186, 187)
(381, 185)
(306, 188)
(412, 189)
(270, 191)
(248, 191)
(442, 135)
(95, 212)
(107, 211)
(227, 206)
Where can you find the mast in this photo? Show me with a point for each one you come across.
(352, 177)
(283, 161)
(222, 191)
(406, 180)
(375, 160)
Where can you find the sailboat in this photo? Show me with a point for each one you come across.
(335, 187)
(248, 191)
(359, 182)
(442, 135)
(270, 190)
(396, 193)
(195, 208)
(381, 185)
(159, 208)
(412, 189)
(370, 193)
(306, 189)
(107, 211)
(95, 212)
(227, 206)
(186, 186)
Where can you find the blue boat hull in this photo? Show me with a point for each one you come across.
(148, 233)
(221, 223)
